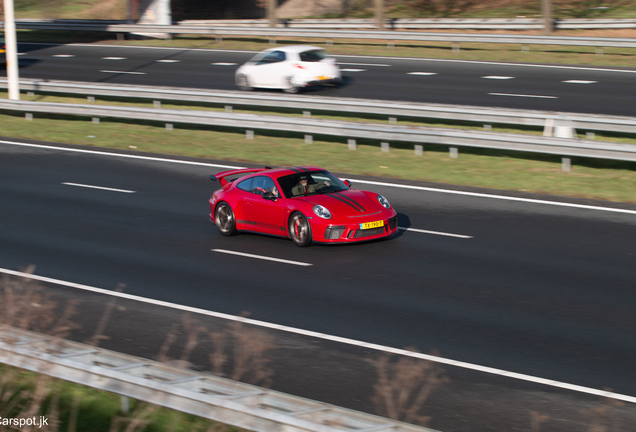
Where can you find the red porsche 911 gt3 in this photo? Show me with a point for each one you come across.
(307, 204)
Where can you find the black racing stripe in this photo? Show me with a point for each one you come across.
(245, 222)
(339, 198)
(303, 169)
(354, 202)
(294, 169)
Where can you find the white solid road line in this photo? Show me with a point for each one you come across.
(261, 257)
(523, 95)
(353, 179)
(98, 187)
(353, 342)
(123, 72)
(435, 233)
(579, 82)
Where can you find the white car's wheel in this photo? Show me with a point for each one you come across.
(290, 87)
(243, 83)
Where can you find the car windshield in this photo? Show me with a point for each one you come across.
(312, 55)
(310, 183)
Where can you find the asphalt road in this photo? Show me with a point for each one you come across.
(583, 89)
(539, 289)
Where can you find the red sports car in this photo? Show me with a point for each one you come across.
(304, 203)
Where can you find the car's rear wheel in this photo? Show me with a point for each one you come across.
(224, 219)
(243, 83)
(299, 230)
(290, 87)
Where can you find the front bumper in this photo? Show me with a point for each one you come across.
(350, 233)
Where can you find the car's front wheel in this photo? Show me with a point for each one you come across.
(243, 83)
(224, 219)
(299, 230)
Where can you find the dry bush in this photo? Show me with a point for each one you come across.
(25, 305)
(441, 8)
(602, 416)
(403, 387)
(536, 420)
(238, 352)
(137, 421)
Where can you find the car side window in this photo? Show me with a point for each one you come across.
(273, 57)
(246, 185)
(264, 184)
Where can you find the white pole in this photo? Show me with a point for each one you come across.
(12, 50)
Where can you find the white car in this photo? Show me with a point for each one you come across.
(289, 68)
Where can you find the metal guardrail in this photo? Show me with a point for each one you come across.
(208, 396)
(395, 110)
(309, 126)
(335, 34)
(405, 23)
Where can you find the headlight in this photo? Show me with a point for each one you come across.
(384, 202)
(322, 212)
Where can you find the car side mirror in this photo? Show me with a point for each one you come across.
(348, 183)
(269, 196)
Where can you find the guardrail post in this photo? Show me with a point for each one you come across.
(156, 104)
(384, 147)
(90, 99)
(309, 139)
(125, 404)
(307, 114)
(95, 120)
(454, 153)
(487, 127)
(599, 50)
(28, 116)
(566, 164)
(393, 120)
(390, 44)
(590, 135)
(351, 143)
(329, 42)
(169, 126)
(228, 108)
(249, 134)
(272, 41)
(525, 48)
(30, 94)
(455, 47)
(547, 129)
(419, 150)
(218, 39)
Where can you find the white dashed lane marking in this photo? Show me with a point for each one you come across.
(422, 73)
(98, 187)
(496, 77)
(64, 55)
(523, 95)
(261, 257)
(123, 72)
(224, 64)
(113, 58)
(364, 64)
(352, 70)
(579, 82)
(168, 61)
(435, 233)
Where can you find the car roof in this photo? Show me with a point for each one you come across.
(280, 172)
(296, 48)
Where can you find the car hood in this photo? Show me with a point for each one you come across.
(348, 203)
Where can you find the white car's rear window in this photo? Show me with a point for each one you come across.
(312, 55)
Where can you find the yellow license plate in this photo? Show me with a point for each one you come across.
(322, 78)
(376, 224)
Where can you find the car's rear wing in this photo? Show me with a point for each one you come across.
(221, 176)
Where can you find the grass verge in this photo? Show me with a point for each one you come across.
(597, 179)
